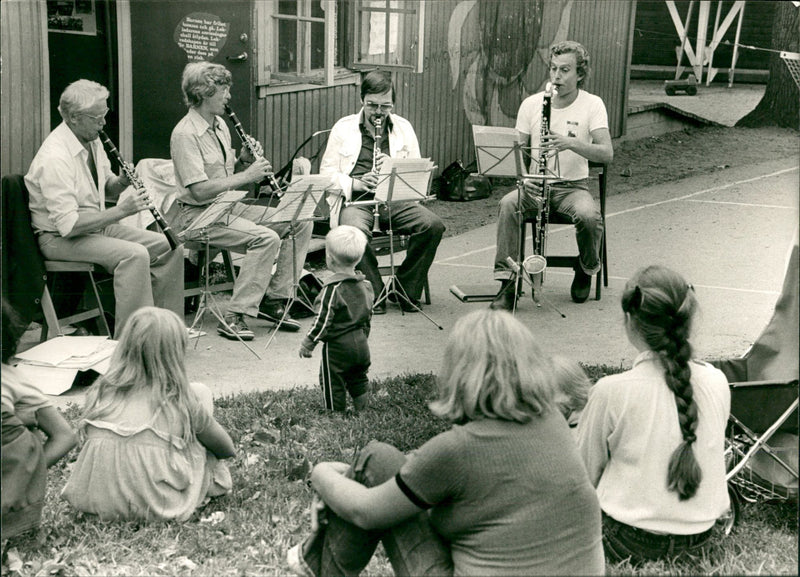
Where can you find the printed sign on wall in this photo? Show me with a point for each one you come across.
(201, 35)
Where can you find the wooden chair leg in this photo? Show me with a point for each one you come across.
(50, 326)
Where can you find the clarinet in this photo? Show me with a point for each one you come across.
(376, 150)
(248, 144)
(538, 265)
(137, 183)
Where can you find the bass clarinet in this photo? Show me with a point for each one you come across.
(137, 183)
(536, 263)
(247, 142)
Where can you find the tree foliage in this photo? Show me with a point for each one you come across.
(780, 105)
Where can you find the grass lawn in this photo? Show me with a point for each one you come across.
(278, 435)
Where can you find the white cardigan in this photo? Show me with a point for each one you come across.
(344, 145)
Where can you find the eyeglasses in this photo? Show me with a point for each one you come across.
(97, 117)
(375, 106)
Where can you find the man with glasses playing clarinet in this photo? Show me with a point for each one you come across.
(579, 133)
(356, 147)
(205, 166)
(68, 183)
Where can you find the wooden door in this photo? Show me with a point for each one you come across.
(168, 35)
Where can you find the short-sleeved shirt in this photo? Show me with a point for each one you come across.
(60, 184)
(586, 114)
(199, 153)
(510, 498)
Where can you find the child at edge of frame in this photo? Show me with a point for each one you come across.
(342, 323)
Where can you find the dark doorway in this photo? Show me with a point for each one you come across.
(82, 38)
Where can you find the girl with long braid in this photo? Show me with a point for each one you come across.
(652, 438)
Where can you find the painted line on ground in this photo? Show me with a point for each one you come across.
(633, 209)
(747, 204)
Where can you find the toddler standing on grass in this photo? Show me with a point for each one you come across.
(24, 459)
(342, 323)
(152, 445)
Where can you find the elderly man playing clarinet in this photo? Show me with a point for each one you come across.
(68, 182)
(205, 166)
(351, 156)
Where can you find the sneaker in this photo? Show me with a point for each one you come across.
(296, 563)
(581, 285)
(379, 308)
(235, 328)
(504, 299)
(274, 311)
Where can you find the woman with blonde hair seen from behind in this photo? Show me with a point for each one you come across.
(502, 492)
(653, 437)
(151, 442)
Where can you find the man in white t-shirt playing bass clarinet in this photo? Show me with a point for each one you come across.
(579, 133)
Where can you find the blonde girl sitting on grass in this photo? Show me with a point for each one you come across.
(151, 442)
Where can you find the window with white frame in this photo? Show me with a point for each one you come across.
(318, 41)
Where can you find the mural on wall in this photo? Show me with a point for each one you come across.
(502, 53)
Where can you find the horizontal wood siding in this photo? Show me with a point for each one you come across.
(25, 105)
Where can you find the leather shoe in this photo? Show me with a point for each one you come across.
(379, 308)
(275, 312)
(504, 299)
(581, 285)
(407, 307)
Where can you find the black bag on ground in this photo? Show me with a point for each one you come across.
(457, 184)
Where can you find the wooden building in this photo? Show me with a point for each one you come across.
(297, 64)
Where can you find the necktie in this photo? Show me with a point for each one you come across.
(92, 166)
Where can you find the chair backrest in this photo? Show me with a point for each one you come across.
(23, 270)
(312, 149)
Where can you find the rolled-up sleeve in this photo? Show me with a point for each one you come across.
(58, 185)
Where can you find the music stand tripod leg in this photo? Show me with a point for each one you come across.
(292, 292)
(209, 303)
(390, 288)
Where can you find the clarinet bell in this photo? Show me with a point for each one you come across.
(376, 221)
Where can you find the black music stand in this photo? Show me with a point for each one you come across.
(198, 230)
(302, 201)
(401, 180)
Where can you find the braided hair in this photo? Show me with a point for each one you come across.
(661, 306)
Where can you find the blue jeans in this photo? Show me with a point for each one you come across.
(426, 230)
(622, 541)
(572, 199)
(413, 547)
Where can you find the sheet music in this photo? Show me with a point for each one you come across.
(303, 197)
(496, 150)
(411, 182)
(222, 204)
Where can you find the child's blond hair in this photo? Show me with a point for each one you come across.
(573, 385)
(345, 245)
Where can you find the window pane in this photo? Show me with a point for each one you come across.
(317, 45)
(387, 32)
(288, 7)
(287, 46)
(316, 9)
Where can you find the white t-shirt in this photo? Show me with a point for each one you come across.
(586, 114)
